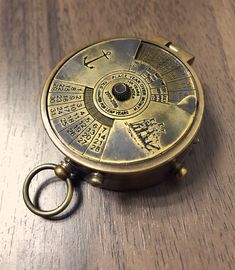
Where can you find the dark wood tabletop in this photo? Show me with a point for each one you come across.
(185, 225)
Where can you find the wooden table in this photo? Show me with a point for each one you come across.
(190, 225)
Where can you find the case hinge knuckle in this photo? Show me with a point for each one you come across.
(182, 54)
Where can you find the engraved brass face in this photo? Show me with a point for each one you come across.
(122, 105)
(123, 112)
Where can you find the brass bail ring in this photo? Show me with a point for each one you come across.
(31, 206)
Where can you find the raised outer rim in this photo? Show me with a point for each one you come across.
(131, 167)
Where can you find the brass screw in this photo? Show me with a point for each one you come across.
(181, 173)
(95, 179)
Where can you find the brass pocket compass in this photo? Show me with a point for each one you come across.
(123, 112)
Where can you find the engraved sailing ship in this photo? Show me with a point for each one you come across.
(147, 133)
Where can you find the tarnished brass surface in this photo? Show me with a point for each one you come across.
(124, 112)
(123, 105)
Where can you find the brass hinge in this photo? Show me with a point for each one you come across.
(182, 54)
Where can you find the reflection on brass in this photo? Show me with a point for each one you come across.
(61, 172)
(181, 173)
(95, 179)
(122, 108)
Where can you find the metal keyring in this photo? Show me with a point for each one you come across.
(31, 206)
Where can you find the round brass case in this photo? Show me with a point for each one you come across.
(132, 139)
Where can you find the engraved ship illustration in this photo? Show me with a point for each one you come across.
(147, 133)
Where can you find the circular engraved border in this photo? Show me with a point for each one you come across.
(147, 102)
(135, 167)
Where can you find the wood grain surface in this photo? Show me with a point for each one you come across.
(189, 225)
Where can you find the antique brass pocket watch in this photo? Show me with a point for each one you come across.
(123, 112)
